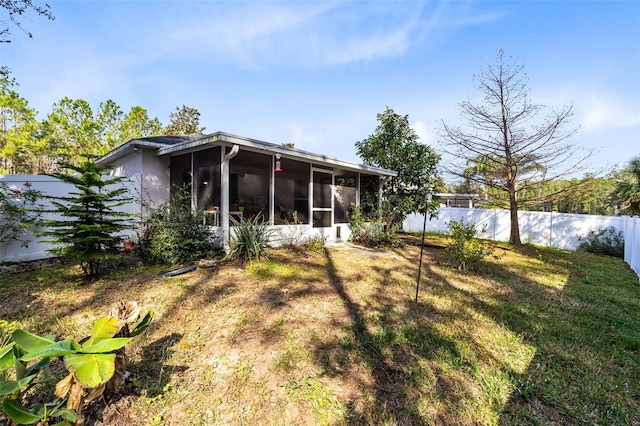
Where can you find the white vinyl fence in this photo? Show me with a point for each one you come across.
(560, 230)
(15, 251)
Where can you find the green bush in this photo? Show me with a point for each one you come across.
(372, 232)
(603, 241)
(250, 239)
(464, 248)
(315, 244)
(175, 233)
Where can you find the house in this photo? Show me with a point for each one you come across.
(230, 176)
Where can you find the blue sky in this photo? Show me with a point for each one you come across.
(317, 73)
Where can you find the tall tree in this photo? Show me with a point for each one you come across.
(18, 129)
(507, 133)
(628, 188)
(184, 121)
(137, 124)
(71, 132)
(16, 9)
(396, 146)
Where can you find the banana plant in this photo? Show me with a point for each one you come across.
(91, 364)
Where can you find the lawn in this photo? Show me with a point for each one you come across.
(537, 336)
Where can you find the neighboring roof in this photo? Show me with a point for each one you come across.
(167, 145)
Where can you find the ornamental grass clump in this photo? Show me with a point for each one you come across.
(250, 239)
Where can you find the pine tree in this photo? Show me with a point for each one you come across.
(90, 226)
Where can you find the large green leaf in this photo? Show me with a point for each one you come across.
(104, 328)
(7, 387)
(6, 357)
(91, 369)
(106, 345)
(142, 324)
(18, 413)
(62, 348)
(35, 368)
(29, 342)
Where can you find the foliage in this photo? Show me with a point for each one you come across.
(628, 188)
(91, 364)
(604, 241)
(88, 230)
(184, 121)
(509, 146)
(70, 131)
(250, 238)
(371, 232)
(396, 146)
(315, 244)
(18, 129)
(17, 8)
(464, 249)
(175, 233)
(17, 212)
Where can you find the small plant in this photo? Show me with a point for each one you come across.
(603, 241)
(17, 212)
(464, 248)
(370, 233)
(92, 363)
(292, 233)
(89, 225)
(251, 239)
(175, 233)
(315, 244)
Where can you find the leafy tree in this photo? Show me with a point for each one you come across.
(628, 187)
(18, 129)
(71, 132)
(396, 146)
(184, 121)
(508, 136)
(18, 8)
(17, 212)
(137, 124)
(88, 230)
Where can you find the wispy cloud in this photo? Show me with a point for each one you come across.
(605, 112)
(311, 35)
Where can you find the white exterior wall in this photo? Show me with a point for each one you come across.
(559, 230)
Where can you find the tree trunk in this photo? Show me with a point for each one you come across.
(514, 236)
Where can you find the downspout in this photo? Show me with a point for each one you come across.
(225, 196)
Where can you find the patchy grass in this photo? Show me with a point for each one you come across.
(540, 336)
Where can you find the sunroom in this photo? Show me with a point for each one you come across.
(232, 179)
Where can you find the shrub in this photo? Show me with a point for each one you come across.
(175, 233)
(250, 239)
(603, 241)
(464, 248)
(370, 233)
(315, 244)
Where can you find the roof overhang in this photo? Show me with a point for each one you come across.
(227, 139)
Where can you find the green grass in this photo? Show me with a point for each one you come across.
(539, 336)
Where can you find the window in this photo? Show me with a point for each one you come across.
(292, 193)
(369, 186)
(207, 178)
(249, 178)
(345, 194)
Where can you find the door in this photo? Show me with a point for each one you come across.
(322, 207)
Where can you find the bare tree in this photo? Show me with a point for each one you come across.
(508, 139)
(18, 8)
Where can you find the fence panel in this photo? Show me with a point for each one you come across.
(559, 230)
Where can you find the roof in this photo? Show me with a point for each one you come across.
(168, 145)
